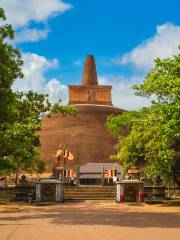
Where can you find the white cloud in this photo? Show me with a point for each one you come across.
(31, 35)
(21, 13)
(34, 68)
(122, 94)
(56, 91)
(163, 44)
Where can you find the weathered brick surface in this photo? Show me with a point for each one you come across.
(85, 135)
(90, 92)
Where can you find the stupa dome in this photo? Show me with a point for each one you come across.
(85, 135)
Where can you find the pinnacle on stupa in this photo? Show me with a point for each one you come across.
(89, 72)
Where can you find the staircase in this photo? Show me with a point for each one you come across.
(89, 192)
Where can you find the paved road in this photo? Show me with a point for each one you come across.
(89, 221)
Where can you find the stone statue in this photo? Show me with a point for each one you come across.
(58, 164)
(59, 156)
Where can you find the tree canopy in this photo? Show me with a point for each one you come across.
(20, 113)
(154, 132)
(10, 69)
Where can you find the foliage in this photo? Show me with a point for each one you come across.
(10, 69)
(154, 132)
(20, 113)
(20, 141)
(40, 166)
(65, 110)
(125, 121)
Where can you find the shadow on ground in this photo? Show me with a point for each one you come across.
(95, 214)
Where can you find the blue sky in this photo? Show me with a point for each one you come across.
(124, 36)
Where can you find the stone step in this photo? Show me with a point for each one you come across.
(90, 189)
(88, 198)
(90, 193)
(69, 192)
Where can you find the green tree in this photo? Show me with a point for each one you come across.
(10, 69)
(154, 132)
(20, 113)
(40, 166)
(20, 141)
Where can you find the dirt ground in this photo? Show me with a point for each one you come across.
(89, 221)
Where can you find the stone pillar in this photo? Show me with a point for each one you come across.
(38, 192)
(59, 193)
(120, 192)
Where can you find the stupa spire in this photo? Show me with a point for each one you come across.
(89, 72)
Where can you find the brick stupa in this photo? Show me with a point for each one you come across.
(85, 135)
(90, 92)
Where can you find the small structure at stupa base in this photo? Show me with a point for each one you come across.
(130, 190)
(99, 173)
(49, 191)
